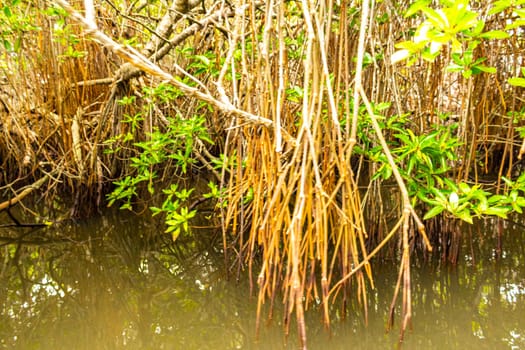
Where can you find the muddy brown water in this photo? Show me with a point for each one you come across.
(100, 284)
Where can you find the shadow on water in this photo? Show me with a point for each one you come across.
(112, 283)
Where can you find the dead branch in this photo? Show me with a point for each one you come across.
(26, 191)
(129, 71)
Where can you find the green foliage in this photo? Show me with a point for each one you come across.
(517, 81)
(425, 162)
(505, 5)
(217, 193)
(517, 118)
(15, 24)
(226, 162)
(171, 146)
(514, 22)
(134, 123)
(63, 34)
(426, 157)
(467, 65)
(177, 215)
(294, 94)
(175, 143)
(466, 202)
(458, 27)
(455, 26)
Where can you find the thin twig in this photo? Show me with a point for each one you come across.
(141, 62)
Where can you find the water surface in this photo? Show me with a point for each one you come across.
(113, 282)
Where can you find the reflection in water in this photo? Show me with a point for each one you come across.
(113, 284)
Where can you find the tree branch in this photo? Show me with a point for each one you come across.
(130, 55)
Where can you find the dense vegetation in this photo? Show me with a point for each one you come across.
(299, 114)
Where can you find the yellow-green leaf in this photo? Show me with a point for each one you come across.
(399, 56)
(495, 34)
(517, 81)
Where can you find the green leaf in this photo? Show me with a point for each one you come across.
(126, 206)
(437, 18)
(429, 56)
(491, 70)
(440, 195)
(495, 34)
(465, 216)
(387, 173)
(498, 211)
(468, 20)
(409, 46)
(507, 181)
(175, 234)
(476, 31)
(382, 106)
(7, 45)
(520, 202)
(496, 198)
(500, 6)
(515, 24)
(7, 11)
(463, 187)
(467, 73)
(433, 212)
(416, 7)
(517, 81)
(155, 211)
(458, 60)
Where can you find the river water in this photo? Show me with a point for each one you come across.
(113, 282)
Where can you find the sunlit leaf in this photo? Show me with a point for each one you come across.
(175, 234)
(468, 20)
(465, 216)
(416, 7)
(433, 212)
(517, 81)
(7, 11)
(499, 6)
(467, 73)
(436, 17)
(498, 211)
(422, 33)
(464, 188)
(515, 24)
(481, 68)
(495, 34)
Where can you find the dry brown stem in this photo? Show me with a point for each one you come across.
(27, 190)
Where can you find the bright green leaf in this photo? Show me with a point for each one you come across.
(436, 17)
(399, 56)
(465, 216)
(498, 211)
(517, 81)
(416, 7)
(495, 34)
(433, 212)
